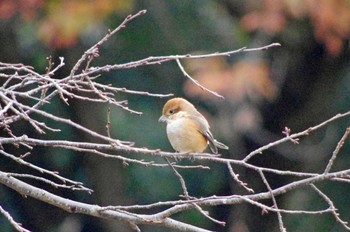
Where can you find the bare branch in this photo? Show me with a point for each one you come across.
(93, 210)
(25, 92)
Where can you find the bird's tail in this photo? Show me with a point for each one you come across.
(220, 145)
(213, 143)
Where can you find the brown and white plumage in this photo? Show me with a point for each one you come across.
(187, 129)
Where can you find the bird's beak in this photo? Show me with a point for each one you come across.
(162, 119)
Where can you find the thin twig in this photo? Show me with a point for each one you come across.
(187, 196)
(336, 151)
(279, 215)
(42, 170)
(178, 175)
(294, 136)
(285, 211)
(108, 125)
(15, 224)
(53, 184)
(235, 177)
(95, 47)
(153, 60)
(331, 205)
(195, 81)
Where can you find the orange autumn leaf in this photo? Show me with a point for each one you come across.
(65, 20)
(254, 78)
(60, 23)
(243, 79)
(330, 19)
(270, 16)
(27, 9)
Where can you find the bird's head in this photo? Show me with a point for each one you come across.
(176, 108)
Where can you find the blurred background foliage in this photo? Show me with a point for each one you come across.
(298, 85)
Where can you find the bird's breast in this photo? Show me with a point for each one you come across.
(185, 136)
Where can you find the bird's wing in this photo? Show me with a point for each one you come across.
(203, 128)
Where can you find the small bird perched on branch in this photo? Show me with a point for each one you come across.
(187, 129)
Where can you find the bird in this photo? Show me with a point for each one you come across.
(187, 129)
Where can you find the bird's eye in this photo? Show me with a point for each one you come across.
(171, 111)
